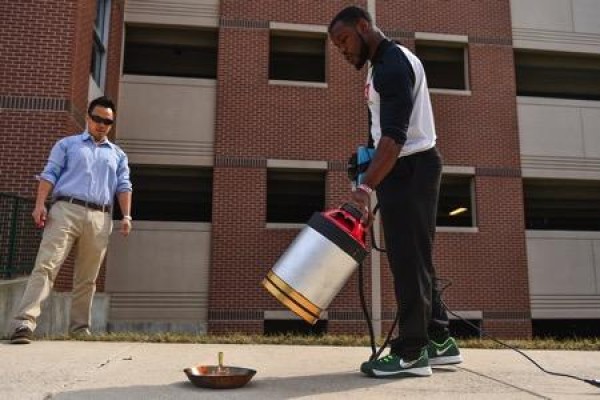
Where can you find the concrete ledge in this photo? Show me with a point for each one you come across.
(194, 327)
(10, 294)
(54, 319)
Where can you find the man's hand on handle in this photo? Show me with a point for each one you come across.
(383, 162)
(362, 200)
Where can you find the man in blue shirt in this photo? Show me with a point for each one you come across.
(83, 173)
(406, 172)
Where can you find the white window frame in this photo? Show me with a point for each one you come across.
(291, 30)
(462, 171)
(445, 40)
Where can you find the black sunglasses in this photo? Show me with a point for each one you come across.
(99, 120)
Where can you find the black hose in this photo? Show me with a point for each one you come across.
(363, 303)
(482, 333)
(361, 292)
(372, 230)
(374, 352)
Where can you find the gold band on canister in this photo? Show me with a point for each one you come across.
(290, 298)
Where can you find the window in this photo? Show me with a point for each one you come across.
(558, 75)
(455, 207)
(99, 42)
(178, 52)
(278, 327)
(444, 65)
(171, 194)
(294, 195)
(297, 58)
(561, 204)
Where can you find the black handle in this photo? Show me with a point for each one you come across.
(350, 209)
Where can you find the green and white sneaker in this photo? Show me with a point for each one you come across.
(392, 366)
(446, 353)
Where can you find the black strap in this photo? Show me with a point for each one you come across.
(87, 204)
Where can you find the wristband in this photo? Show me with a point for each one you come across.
(127, 217)
(365, 188)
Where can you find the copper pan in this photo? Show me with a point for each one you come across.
(219, 376)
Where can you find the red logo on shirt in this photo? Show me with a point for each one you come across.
(367, 94)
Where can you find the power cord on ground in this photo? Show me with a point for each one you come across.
(482, 333)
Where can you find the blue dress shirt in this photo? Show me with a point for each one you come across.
(78, 167)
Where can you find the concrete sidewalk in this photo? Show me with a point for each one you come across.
(104, 370)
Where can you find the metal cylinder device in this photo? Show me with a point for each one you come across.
(319, 262)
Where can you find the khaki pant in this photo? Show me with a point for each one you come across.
(67, 223)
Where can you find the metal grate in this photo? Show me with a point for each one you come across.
(19, 238)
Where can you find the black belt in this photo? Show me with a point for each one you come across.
(93, 206)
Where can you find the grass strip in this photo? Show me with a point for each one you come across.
(582, 344)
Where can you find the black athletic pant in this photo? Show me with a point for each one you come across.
(408, 199)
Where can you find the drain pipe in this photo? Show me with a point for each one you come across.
(376, 277)
(375, 255)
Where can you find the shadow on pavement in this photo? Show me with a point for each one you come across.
(269, 388)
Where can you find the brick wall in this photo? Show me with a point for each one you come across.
(257, 121)
(487, 18)
(488, 268)
(36, 57)
(43, 89)
(114, 54)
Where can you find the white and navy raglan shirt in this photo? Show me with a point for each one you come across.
(398, 99)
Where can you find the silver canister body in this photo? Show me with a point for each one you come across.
(314, 268)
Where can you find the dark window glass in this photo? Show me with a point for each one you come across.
(98, 42)
(464, 328)
(171, 194)
(293, 196)
(558, 75)
(567, 205)
(99, 22)
(187, 53)
(455, 206)
(444, 66)
(98, 55)
(296, 58)
(571, 329)
(278, 327)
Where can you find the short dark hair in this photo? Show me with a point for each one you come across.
(350, 16)
(102, 101)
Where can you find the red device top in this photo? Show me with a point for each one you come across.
(348, 218)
